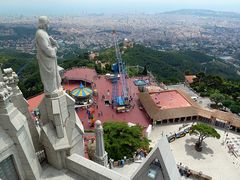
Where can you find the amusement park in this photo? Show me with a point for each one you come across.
(108, 97)
(161, 110)
(136, 100)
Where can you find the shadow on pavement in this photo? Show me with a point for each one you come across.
(190, 149)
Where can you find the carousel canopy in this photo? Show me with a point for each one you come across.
(81, 91)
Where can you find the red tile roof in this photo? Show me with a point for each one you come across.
(84, 74)
(158, 114)
(189, 79)
(169, 99)
(33, 102)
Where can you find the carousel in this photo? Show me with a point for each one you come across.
(82, 95)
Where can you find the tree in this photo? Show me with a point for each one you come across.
(228, 102)
(144, 72)
(187, 72)
(108, 67)
(98, 68)
(235, 108)
(217, 97)
(204, 131)
(121, 140)
(202, 87)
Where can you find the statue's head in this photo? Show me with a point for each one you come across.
(43, 22)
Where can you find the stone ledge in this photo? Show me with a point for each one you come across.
(91, 170)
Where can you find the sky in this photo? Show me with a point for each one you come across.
(64, 7)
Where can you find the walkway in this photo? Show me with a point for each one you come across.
(214, 160)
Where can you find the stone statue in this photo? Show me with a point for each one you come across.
(47, 58)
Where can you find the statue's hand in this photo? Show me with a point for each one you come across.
(53, 42)
(55, 48)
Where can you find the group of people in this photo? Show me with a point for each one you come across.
(100, 113)
(141, 153)
(184, 171)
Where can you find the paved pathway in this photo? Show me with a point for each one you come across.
(50, 173)
(128, 169)
(214, 160)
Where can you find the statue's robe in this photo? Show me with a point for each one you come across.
(47, 60)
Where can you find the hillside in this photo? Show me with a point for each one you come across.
(168, 67)
(25, 65)
(171, 66)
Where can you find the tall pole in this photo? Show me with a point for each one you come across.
(100, 154)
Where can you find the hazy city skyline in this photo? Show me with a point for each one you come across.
(63, 7)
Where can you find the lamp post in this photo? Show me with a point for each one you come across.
(227, 127)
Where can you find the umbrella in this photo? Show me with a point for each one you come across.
(81, 91)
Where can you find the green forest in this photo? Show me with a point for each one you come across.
(168, 67)
(225, 93)
(25, 65)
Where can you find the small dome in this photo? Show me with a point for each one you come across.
(98, 123)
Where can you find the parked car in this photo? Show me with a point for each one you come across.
(187, 130)
(171, 138)
(180, 134)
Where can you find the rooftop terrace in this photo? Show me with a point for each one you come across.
(169, 99)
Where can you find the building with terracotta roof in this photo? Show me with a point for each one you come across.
(152, 89)
(80, 74)
(174, 106)
(189, 79)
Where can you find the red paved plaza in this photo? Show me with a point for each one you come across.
(103, 112)
(135, 115)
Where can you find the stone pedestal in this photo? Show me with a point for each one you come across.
(100, 155)
(103, 160)
(62, 130)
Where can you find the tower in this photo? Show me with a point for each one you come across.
(16, 150)
(11, 80)
(119, 68)
(100, 156)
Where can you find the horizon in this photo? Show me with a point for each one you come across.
(78, 7)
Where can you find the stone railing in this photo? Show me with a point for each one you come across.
(193, 174)
(121, 163)
(90, 170)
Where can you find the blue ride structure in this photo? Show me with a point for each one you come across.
(119, 74)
